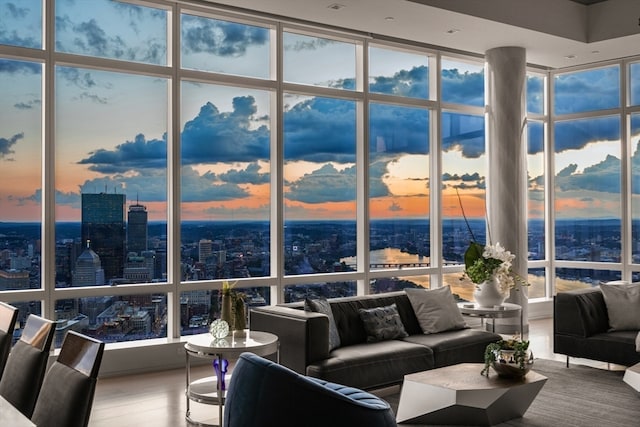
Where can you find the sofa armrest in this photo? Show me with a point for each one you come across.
(303, 335)
(581, 313)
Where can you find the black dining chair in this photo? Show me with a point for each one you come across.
(69, 385)
(27, 363)
(8, 316)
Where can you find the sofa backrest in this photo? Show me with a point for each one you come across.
(580, 312)
(347, 317)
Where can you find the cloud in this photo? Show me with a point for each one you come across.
(250, 175)
(399, 130)
(603, 176)
(61, 198)
(325, 184)
(463, 88)
(320, 130)
(6, 145)
(576, 134)
(589, 90)
(19, 67)
(28, 105)
(413, 83)
(394, 207)
(81, 79)
(377, 171)
(221, 38)
(304, 43)
(474, 180)
(207, 187)
(130, 156)
(464, 133)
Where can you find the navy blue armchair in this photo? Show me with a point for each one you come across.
(264, 394)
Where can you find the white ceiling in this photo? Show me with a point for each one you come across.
(555, 33)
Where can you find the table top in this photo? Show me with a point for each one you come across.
(506, 309)
(466, 376)
(10, 416)
(205, 345)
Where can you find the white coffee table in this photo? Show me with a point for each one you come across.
(632, 376)
(459, 394)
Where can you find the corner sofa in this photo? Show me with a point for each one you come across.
(581, 328)
(304, 342)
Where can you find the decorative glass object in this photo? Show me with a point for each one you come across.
(220, 366)
(219, 328)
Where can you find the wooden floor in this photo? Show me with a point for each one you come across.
(157, 399)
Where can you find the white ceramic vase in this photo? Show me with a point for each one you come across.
(487, 294)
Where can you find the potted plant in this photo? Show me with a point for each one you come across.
(509, 358)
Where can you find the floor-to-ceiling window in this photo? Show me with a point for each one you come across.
(184, 147)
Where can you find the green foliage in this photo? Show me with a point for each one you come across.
(520, 353)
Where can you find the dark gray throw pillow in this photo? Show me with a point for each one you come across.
(623, 305)
(321, 305)
(382, 323)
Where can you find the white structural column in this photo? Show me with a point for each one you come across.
(506, 151)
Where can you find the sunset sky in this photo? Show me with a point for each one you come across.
(111, 128)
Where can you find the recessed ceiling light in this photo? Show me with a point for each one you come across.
(389, 18)
(595, 52)
(336, 6)
(453, 31)
(571, 56)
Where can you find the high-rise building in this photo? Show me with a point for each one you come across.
(205, 247)
(88, 270)
(137, 229)
(103, 225)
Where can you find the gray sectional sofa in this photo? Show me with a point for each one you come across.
(304, 342)
(581, 328)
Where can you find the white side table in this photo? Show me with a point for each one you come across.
(205, 346)
(505, 310)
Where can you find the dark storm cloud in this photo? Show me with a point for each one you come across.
(412, 83)
(464, 133)
(398, 130)
(6, 145)
(129, 156)
(250, 175)
(14, 67)
(220, 38)
(587, 90)
(474, 180)
(214, 136)
(463, 88)
(320, 130)
(575, 134)
(207, 187)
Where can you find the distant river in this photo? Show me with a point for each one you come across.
(388, 256)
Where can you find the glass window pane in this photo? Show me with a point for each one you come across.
(587, 193)
(399, 186)
(392, 284)
(634, 85)
(461, 287)
(393, 72)
(225, 148)
(21, 23)
(581, 278)
(319, 184)
(536, 280)
(535, 94)
(536, 197)
(635, 186)
(113, 318)
(306, 58)
(199, 308)
(112, 29)
(295, 293)
(464, 172)
(20, 174)
(462, 82)
(111, 168)
(588, 90)
(225, 47)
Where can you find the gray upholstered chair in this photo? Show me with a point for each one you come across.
(26, 364)
(8, 316)
(67, 393)
(262, 393)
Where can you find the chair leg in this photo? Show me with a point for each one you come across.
(567, 361)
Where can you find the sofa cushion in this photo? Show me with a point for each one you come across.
(373, 365)
(321, 305)
(382, 323)
(452, 347)
(349, 323)
(623, 305)
(436, 309)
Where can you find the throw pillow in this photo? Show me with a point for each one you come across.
(436, 309)
(623, 306)
(382, 323)
(321, 305)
